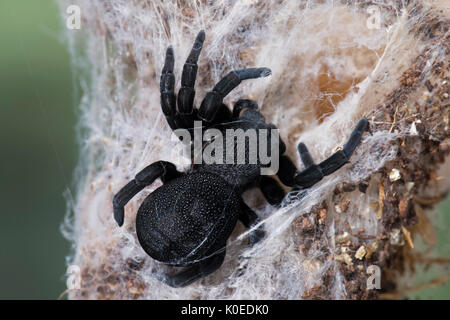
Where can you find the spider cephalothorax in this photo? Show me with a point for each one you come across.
(187, 221)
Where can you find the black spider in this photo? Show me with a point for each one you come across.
(187, 221)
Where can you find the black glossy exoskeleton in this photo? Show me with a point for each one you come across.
(187, 221)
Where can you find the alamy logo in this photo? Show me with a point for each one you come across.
(74, 277)
(73, 21)
(252, 146)
(374, 280)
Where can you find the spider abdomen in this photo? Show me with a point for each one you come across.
(187, 218)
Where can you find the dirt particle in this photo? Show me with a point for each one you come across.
(360, 253)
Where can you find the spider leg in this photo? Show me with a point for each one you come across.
(305, 155)
(247, 111)
(314, 173)
(241, 105)
(160, 169)
(249, 218)
(196, 271)
(223, 115)
(212, 102)
(187, 92)
(272, 190)
(166, 86)
(286, 171)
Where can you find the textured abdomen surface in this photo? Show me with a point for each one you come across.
(184, 219)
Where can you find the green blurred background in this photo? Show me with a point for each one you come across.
(38, 148)
(38, 103)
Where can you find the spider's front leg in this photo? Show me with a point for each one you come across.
(166, 86)
(183, 116)
(212, 107)
(186, 94)
(313, 173)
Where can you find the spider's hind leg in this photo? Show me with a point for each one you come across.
(315, 172)
(196, 271)
(249, 219)
(271, 190)
(160, 169)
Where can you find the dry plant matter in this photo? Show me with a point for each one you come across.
(332, 63)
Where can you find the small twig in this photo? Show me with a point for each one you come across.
(381, 197)
(393, 123)
(437, 260)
